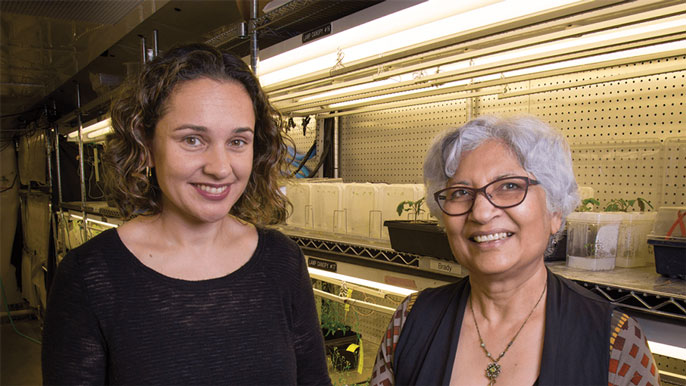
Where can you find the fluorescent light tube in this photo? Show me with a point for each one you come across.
(92, 132)
(386, 288)
(352, 48)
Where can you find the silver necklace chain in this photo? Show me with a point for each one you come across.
(493, 368)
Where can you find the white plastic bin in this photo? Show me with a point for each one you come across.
(362, 209)
(327, 204)
(301, 198)
(392, 195)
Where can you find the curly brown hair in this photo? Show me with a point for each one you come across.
(142, 103)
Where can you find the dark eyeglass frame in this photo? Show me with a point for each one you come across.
(482, 190)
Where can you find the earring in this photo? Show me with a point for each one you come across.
(148, 173)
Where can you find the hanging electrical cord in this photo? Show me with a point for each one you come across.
(322, 158)
(9, 315)
(306, 158)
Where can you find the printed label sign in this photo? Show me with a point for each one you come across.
(322, 264)
(317, 33)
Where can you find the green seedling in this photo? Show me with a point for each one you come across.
(414, 207)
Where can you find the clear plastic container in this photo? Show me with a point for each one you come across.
(632, 248)
(592, 240)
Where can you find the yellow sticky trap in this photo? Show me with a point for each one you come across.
(360, 361)
(348, 295)
(360, 355)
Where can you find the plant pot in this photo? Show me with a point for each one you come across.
(343, 347)
(424, 238)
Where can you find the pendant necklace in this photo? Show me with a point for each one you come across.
(493, 368)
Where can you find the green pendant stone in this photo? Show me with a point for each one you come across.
(492, 371)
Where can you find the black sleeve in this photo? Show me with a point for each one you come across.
(309, 342)
(73, 349)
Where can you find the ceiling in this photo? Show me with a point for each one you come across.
(48, 47)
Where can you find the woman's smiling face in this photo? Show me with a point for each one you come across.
(489, 240)
(202, 148)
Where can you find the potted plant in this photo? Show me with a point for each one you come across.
(342, 344)
(420, 237)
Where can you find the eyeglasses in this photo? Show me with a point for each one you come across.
(503, 193)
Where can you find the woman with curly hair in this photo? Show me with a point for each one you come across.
(193, 289)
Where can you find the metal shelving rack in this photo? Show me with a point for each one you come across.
(635, 289)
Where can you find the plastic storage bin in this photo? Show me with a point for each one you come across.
(392, 195)
(632, 248)
(327, 203)
(669, 240)
(362, 210)
(592, 240)
(301, 199)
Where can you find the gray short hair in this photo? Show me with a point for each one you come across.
(540, 149)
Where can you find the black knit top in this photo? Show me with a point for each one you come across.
(112, 320)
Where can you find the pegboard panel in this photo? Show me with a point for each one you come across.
(648, 106)
(492, 105)
(617, 169)
(674, 172)
(389, 146)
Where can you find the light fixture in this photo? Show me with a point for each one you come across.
(485, 76)
(337, 278)
(431, 20)
(92, 133)
(88, 219)
(667, 350)
(578, 47)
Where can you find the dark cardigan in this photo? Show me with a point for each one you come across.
(575, 349)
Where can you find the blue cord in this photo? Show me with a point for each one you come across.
(7, 306)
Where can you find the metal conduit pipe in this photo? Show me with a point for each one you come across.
(253, 36)
(155, 46)
(81, 167)
(144, 55)
(336, 142)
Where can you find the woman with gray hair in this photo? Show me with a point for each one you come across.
(502, 189)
